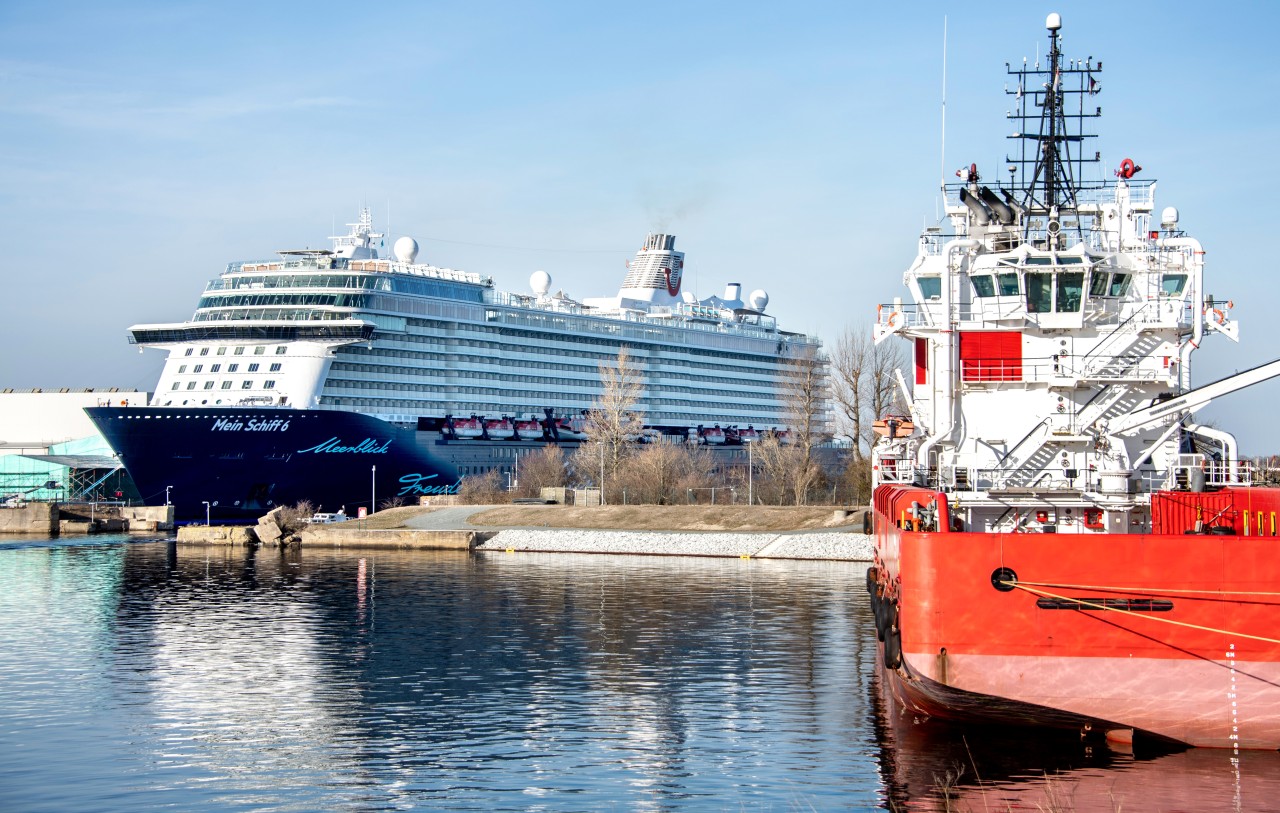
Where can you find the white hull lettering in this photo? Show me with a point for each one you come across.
(232, 425)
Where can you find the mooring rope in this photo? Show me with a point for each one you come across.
(1096, 606)
(1155, 591)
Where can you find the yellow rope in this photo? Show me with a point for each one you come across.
(1152, 590)
(1087, 603)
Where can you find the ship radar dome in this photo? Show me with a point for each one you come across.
(406, 249)
(759, 299)
(1053, 22)
(1169, 217)
(540, 282)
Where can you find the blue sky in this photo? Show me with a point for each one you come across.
(793, 148)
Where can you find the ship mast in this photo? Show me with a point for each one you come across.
(1053, 154)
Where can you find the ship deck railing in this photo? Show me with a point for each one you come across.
(1010, 313)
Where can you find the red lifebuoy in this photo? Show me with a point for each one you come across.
(1128, 169)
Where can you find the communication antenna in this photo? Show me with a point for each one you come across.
(942, 164)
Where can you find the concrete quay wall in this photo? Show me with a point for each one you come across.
(32, 518)
(216, 535)
(398, 539)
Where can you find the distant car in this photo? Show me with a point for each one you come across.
(325, 519)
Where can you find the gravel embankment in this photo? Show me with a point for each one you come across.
(846, 546)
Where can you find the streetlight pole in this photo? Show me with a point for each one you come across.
(207, 521)
(166, 494)
(373, 500)
(602, 472)
(751, 474)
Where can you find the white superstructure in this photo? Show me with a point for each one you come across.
(1052, 323)
(397, 339)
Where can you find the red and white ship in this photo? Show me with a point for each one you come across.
(1058, 540)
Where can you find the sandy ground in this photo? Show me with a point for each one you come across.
(621, 517)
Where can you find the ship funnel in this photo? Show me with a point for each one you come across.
(1013, 204)
(1002, 212)
(981, 215)
(732, 293)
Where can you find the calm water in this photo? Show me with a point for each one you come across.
(140, 675)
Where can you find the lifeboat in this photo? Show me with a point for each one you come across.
(571, 428)
(500, 429)
(468, 428)
(784, 436)
(748, 435)
(714, 436)
(529, 429)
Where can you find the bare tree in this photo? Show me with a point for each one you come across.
(544, 468)
(865, 386)
(483, 489)
(661, 473)
(612, 421)
(806, 402)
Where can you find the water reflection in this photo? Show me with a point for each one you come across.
(324, 681)
(137, 676)
(932, 765)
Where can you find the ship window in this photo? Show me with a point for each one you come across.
(1039, 293)
(215, 368)
(1172, 284)
(175, 385)
(239, 351)
(226, 385)
(191, 385)
(222, 351)
(275, 368)
(1119, 284)
(199, 368)
(1070, 260)
(1008, 284)
(1098, 284)
(281, 350)
(182, 368)
(1039, 261)
(246, 385)
(258, 351)
(208, 385)
(268, 384)
(1070, 287)
(253, 368)
(984, 285)
(231, 368)
(930, 287)
(204, 351)
(188, 351)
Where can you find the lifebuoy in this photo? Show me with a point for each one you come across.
(893, 318)
(1128, 169)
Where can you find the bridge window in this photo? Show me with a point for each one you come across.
(1098, 284)
(983, 285)
(1172, 284)
(930, 287)
(1039, 293)
(1070, 288)
(1008, 284)
(1119, 284)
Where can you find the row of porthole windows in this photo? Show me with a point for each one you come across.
(226, 385)
(231, 368)
(239, 350)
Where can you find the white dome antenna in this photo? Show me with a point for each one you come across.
(1053, 22)
(406, 249)
(540, 282)
(1169, 217)
(759, 299)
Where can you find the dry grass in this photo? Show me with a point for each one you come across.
(388, 518)
(666, 517)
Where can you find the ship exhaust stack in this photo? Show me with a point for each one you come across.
(1002, 212)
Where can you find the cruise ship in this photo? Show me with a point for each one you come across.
(341, 376)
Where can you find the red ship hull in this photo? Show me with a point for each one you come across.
(1169, 633)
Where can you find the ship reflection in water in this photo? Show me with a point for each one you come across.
(140, 675)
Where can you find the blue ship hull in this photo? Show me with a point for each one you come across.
(246, 461)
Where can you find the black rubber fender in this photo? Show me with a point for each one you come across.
(888, 619)
(893, 647)
(868, 522)
(873, 578)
